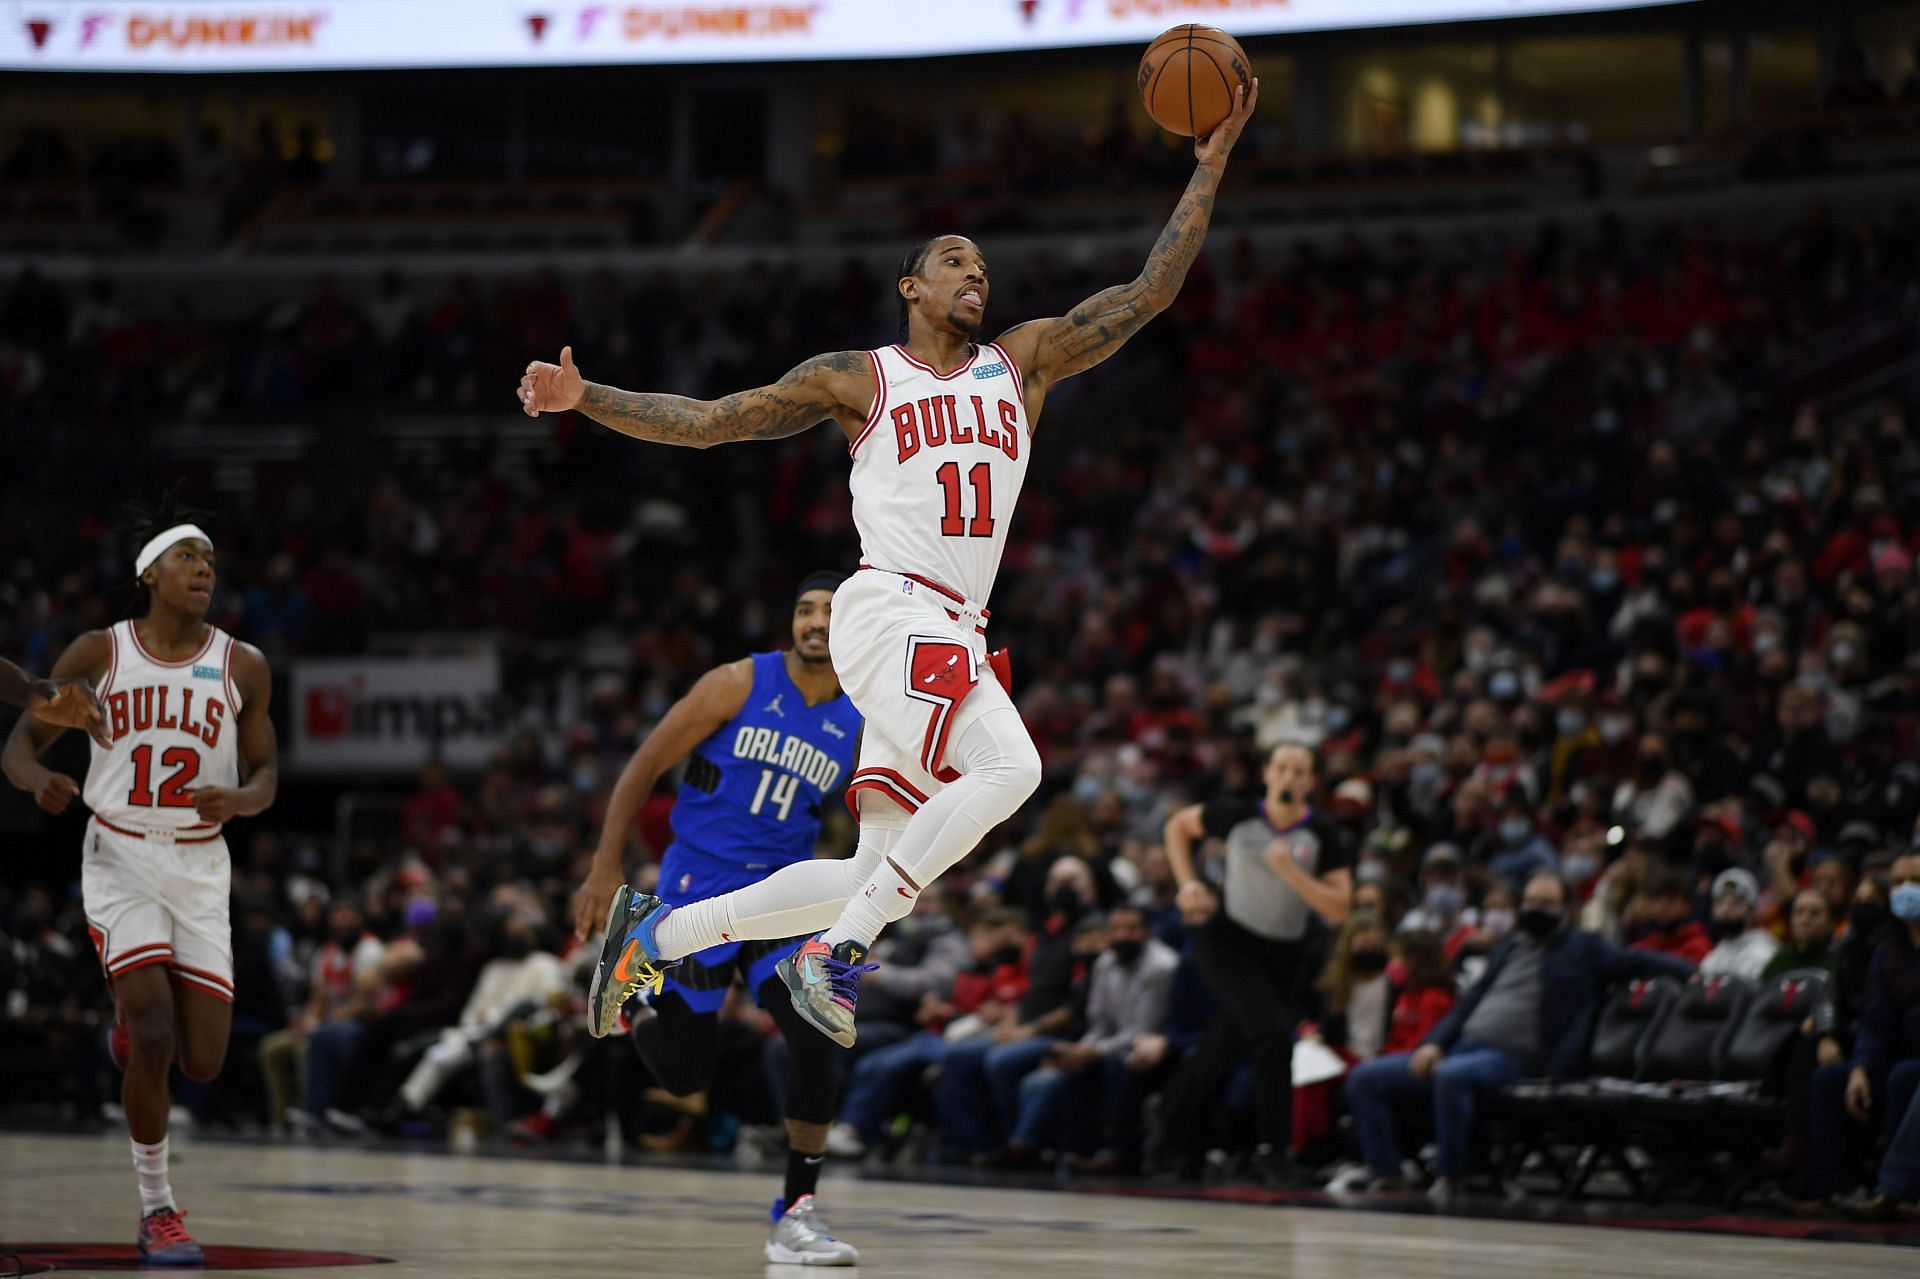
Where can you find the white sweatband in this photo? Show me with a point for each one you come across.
(161, 541)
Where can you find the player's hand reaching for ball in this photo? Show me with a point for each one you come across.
(552, 388)
(71, 703)
(56, 792)
(1213, 148)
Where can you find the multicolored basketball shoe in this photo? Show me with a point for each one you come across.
(629, 958)
(164, 1241)
(801, 1238)
(824, 984)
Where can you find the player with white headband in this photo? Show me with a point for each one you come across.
(185, 747)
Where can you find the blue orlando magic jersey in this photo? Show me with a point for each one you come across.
(753, 790)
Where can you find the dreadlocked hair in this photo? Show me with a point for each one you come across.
(141, 522)
(909, 266)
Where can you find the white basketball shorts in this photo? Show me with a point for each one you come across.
(915, 666)
(150, 900)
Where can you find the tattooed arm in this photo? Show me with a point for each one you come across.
(838, 386)
(1048, 350)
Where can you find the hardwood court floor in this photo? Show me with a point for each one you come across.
(481, 1218)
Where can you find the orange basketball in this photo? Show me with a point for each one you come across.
(1188, 76)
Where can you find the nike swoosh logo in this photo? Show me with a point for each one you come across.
(903, 892)
(726, 936)
(623, 971)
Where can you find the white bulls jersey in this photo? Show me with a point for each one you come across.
(938, 468)
(175, 729)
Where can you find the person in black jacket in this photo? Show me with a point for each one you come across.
(1880, 1079)
(1827, 1041)
(1528, 1015)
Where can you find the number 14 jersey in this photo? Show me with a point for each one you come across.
(753, 790)
(938, 468)
(174, 728)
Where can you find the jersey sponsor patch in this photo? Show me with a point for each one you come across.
(208, 672)
(984, 371)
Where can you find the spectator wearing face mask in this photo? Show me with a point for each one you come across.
(1356, 1002)
(1658, 797)
(1584, 857)
(1529, 1014)
(1381, 996)
(1116, 1061)
(980, 1077)
(918, 956)
(1741, 947)
(1809, 937)
(515, 985)
(1499, 914)
(982, 997)
(1668, 928)
(1520, 850)
(1880, 1079)
(345, 974)
(1355, 991)
(1828, 1041)
(1443, 908)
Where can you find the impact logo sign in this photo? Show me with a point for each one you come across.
(393, 714)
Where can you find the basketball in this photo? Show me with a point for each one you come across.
(1188, 76)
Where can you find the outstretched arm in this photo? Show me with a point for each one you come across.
(839, 385)
(716, 698)
(86, 660)
(70, 703)
(1048, 350)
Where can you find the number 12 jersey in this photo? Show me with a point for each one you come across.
(175, 729)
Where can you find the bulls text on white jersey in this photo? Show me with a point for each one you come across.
(938, 468)
(174, 729)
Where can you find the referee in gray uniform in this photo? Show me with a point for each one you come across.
(1284, 865)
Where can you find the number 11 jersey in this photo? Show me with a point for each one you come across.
(938, 468)
(175, 729)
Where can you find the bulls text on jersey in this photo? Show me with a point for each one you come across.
(933, 496)
(172, 725)
(138, 710)
(935, 422)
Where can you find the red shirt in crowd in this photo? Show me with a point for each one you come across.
(1689, 942)
(1415, 1013)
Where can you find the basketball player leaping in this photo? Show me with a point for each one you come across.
(940, 429)
(186, 719)
(767, 739)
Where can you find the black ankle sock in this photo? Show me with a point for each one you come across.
(803, 1174)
